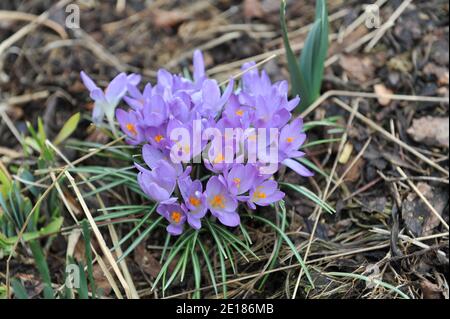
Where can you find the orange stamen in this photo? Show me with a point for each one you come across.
(219, 159)
(132, 129)
(217, 202)
(158, 138)
(194, 201)
(176, 216)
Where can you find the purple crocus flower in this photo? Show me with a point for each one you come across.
(159, 183)
(155, 111)
(107, 101)
(265, 194)
(195, 200)
(291, 139)
(152, 156)
(175, 215)
(212, 101)
(220, 202)
(130, 124)
(136, 100)
(239, 179)
(199, 67)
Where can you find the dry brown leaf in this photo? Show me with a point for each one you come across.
(253, 9)
(382, 90)
(101, 282)
(354, 173)
(430, 130)
(167, 19)
(417, 216)
(439, 72)
(430, 290)
(359, 69)
(146, 261)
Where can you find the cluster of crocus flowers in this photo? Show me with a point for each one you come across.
(231, 171)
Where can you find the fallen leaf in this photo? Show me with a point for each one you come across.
(253, 9)
(354, 173)
(430, 290)
(167, 19)
(146, 261)
(346, 152)
(440, 73)
(430, 130)
(381, 89)
(400, 63)
(417, 216)
(101, 282)
(359, 69)
(374, 205)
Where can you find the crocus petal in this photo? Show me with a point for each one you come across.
(87, 81)
(199, 65)
(151, 155)
(297, 167)
(134, 79)
(229, 219)
(194, 222)
(98, 113)
(174, 230)
(116, 89)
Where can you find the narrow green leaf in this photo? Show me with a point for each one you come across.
(293, 66)
(42, 266)
(69, 127)
(290, 244)
(88, 254)
(19, 290)
(310, 195)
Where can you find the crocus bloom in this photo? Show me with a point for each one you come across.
(155, 111)
(167, 118)
(212, 100)
(194, 199)
(175, 215)
(265, 194)
(221, 203)
(159, 183)
(107, 101)
(130, 124)
(239, 179)
(291, 139)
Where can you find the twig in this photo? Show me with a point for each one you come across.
(23, 16)
(388, 24)
(257, 65)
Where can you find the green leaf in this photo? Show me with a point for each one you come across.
(310, 195)
(42, 266)
(369, 280)
(290, 244)
(69, 127)
(52, 228)
(88, 253)
(209, 266)
(307, 73)
(5, 183)
(83, 292)
(293, 66)
(315, 51)
(19, 290)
